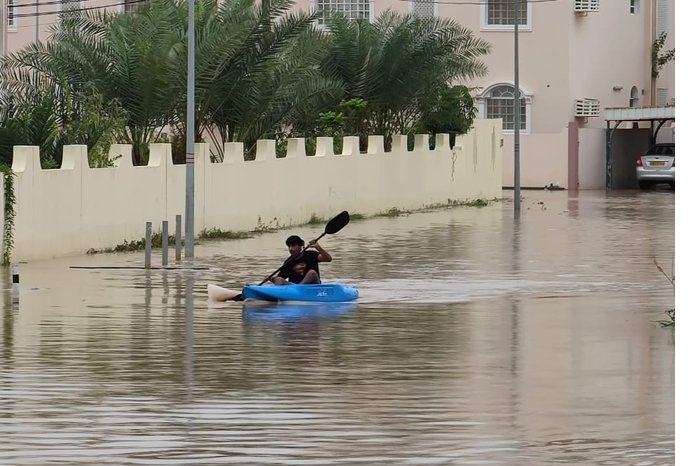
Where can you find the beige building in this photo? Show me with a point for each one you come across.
(577, 57)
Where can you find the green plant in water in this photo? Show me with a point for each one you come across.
(8, 239)
(670, 322)
(477, 203)
(216, 233)
(315, 220)
(393, 212)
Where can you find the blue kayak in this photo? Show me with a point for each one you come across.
(325, 293)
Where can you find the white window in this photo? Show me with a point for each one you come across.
(424, 8)
(11, 15)
(498, 15)
(633, 97)
(353, 9)
(661, 96)
(498, 101)
(633, 6)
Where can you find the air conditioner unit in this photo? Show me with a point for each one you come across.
(585, 6)
(586, 108)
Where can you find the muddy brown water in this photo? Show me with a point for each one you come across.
(476, 340)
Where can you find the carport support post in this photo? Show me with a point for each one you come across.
(609, 158)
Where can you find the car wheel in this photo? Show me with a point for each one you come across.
(644, 184)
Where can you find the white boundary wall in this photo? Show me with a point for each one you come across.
(75, 208)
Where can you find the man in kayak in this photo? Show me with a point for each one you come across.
(302, 266)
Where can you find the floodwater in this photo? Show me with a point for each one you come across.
(477, 340)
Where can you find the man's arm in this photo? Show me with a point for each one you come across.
(323, 255)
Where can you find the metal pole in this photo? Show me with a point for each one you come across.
(149, 246)
(189, 194)
(517, 109)
(15, 284)
(36, 22)
(178, 238)
(165, 238)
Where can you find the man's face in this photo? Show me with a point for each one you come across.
(294, 249)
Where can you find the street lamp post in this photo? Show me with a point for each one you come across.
(189, 174)
(517, 109)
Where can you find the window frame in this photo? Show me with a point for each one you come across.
(314, 8)
(482, 100)
(634, 99)
(503, 27)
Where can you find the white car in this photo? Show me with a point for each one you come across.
(656, 166)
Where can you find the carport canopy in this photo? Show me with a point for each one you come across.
(617, 115)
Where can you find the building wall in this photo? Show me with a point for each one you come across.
(75, 208)
(610, 48)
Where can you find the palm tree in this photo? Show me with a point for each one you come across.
(127, 58)
(398, 60)
(258, 69)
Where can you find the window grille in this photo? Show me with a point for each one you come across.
(586, 5)
(502, 12)
(353, 9)
(11, 15)
(423, 8)
(500, 103)
(586, 108)
(68, 5)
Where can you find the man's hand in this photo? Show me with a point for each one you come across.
(312, 243)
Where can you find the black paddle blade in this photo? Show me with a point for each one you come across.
(337, 223)
(238, 297)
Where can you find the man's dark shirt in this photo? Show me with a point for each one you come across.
(311, 260)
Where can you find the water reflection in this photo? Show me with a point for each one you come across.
(477, 339)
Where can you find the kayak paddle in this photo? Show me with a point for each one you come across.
(334, 225)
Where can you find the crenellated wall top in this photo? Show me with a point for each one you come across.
(75, 157)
